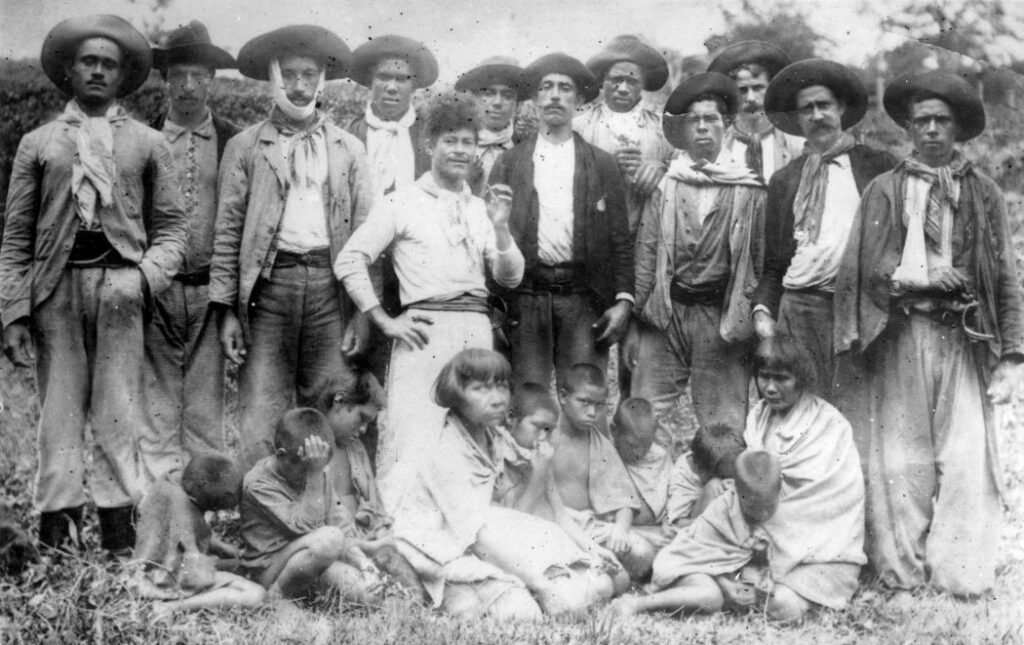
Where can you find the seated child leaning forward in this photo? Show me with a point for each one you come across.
(591, 478)
(349, 408)
(649, 466)
(298, 538)
(703, 473)
(173, 540)
(814, 538)
(473, 557)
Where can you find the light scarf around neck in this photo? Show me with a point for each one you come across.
(389, 147)
(943, 196)
(499, 138)
(307, 152)
(722, 171)
(281, 100)
(624, 127)
(94, 168)
(809, 205)
(754, 155)
(455, 206)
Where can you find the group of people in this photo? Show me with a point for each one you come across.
(740, 241)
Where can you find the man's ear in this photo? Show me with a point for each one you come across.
(563, 396)
(338, 401)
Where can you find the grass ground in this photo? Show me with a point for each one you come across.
(85, 601)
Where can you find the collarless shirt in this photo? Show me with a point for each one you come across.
(554, 166)
(195, 158)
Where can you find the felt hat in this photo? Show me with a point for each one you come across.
(632, 49)
(312, 41)
(780, 97)
(421, 60)
(962, 98)
(758, 484)
(497, 70)
(190, 44)
(765, 54)
(697, 85)
(61, 45)
(559, 63)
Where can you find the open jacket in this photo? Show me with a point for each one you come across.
(253, 188)
(41, 222)
(601, 240)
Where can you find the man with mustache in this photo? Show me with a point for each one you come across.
(686, 250)
(752, 138)
(292, 190)
(928, 303)
(811, 205)
(80, 261)
(569, 220)
(184, 358)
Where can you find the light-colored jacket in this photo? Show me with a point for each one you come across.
(253, 189)
(41, 222)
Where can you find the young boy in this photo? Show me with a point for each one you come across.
(349, 410)
(703, 473)
(173, 540)
(589, 475)
(649, 466)
(295, 530)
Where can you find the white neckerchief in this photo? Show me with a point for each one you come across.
(495, 138)
(624, 126)
(94, 168)
(390, 150)
(290, 110)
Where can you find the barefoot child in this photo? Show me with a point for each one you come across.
(589, 474)
(295, 531)
(173, 540)
(703, 473)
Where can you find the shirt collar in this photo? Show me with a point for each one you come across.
(204, 130)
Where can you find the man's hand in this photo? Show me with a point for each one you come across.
(612, 323)
(618, 541)
(231, 337)
(499, 204)
(631, 345)
(1005, 384)
(357, 335)
(629, 159)
(410, 329)
(948, 279)
(18, 344)
(764, 325)
(315, 453)
(647, 177)
(542, 455)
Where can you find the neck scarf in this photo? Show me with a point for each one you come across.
(490, 138)
(810, 196)
(283, 103)
(754, 156)
(455, 206)
(624, 126)
(942, 197)
(390, 151)
(307, 153)
(722, 171)
(94, 168)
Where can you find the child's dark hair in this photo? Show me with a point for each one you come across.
(529, 397)
(473, 364)
(213, 480)
(449, 112)
(634, 413)
(295, 426)
(782, 353)
(344, 388)
(580, 375)
(714, 449)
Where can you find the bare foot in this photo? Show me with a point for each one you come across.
(903, 601)
(553, 603)
(626, 606)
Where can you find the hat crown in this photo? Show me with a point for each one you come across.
(194, 33)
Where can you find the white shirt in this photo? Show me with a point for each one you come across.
(814, 266)
(304, 223)
(739, 153)
(554, 166)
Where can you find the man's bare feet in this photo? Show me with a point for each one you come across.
(626, 606)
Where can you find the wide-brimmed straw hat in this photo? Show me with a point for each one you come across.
(310, 41)
(962, 98)
(631, 49)
(758, 484)
(61, 46)
(559, 63)
(190, 44)
(420, 59)
(497, 70)
(780, 97)
(765, 54)
(679, 101)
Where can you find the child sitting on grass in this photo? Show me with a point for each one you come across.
(349, 409)
(648, 464)
(295, 531)
(703, 473)
(173, 540)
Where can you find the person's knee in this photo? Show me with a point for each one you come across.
(706, 594)
(326, 543)
(785, 605)
(516, 605)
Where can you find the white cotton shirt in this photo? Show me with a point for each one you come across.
(814, 266)
(554, 166)
(304, 223)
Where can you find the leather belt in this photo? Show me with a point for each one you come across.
(316, 258)
(685, 296)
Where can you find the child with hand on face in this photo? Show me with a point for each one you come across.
(297, 535)
(703, 473)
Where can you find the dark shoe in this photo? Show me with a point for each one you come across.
(117, 528)
(61, 529)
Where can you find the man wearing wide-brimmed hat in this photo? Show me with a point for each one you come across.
(184, 359)
(928, 303)
(498, 85)
(752, 138)
(94, 228)
(694, 241)
(292, 190)
(812, 203)
(569, 220)
(621, 124)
